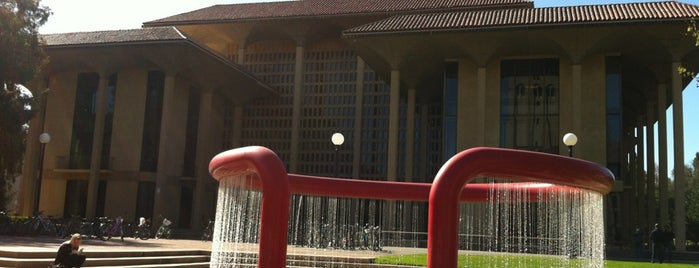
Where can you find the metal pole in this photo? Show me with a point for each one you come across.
(570, 151)
(337, 161)
(39, 179)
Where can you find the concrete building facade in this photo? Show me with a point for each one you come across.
(135, 115)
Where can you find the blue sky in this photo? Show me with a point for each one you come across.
(95, 15)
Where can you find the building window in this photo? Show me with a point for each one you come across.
(530, 105)
(614, 123)
(145, 199)
(451, 93)
(190, 145)
(151, 122)
(84, 115)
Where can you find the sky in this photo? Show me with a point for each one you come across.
(96, 15)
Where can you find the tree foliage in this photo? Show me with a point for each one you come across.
(692, 175)
(21, 56)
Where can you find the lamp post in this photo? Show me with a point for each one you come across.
(337, 139)
(44, 138)
(569, 139)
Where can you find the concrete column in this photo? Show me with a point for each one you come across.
(650, 165)
(241, 55)
(358, 107)
(237, 127)
(576, 103)
(422, 154)
(662, 164)
(163, 201)
(392, 165)
(410, 136)
(640, 170)
(393, 120)
(207, 146)
(678, 140)
(97, 139)
(662, 155)
(296, 110)
(481, 76)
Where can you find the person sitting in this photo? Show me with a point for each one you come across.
(70, 254)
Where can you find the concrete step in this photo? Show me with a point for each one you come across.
(166, 258)
(185, 265)
(306, 261)
(106, 253)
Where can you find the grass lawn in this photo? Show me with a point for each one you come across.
(522, 261)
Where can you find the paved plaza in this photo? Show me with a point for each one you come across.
(50, 244)
(46, 243)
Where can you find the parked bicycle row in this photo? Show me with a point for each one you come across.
(103, 228)
(350, 237)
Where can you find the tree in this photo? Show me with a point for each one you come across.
(21, 57)
(692, 175)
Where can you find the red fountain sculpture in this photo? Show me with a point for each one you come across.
(448, 189)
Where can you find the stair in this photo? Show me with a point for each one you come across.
(307, 261)
(106, 258)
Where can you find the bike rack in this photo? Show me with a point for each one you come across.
(449, 188)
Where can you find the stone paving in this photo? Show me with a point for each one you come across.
(46, 243)
(50, 244)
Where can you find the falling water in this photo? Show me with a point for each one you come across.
(563, 227)
(237, 226)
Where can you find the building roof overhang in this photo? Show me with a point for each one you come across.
(286, 10)
(159, 48)
(418, 44)
(482, 20)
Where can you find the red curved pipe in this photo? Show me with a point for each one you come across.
(442, 244)
(409, 191)
(274, 212)
(449, 188)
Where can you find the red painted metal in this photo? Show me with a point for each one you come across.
(449, 188)
(442, 244)
(410, 191)
(272, 179)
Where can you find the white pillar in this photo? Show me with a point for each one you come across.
(296, 109)
(576, 101)
(662, 155)
(393, 120)
(481, 74)
(410, 136)
(650, 164)
(678, 146)
(97, 139)
(640, 170)
(358, 107)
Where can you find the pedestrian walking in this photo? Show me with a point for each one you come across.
(657, 240)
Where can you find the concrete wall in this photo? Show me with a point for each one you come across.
(582, 108)
(127, 135)
(59, 124)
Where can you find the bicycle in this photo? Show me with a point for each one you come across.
(71, 226)
(40, 225)
(113, 228)
(164, 231)
(143, 229)
(208, 233)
